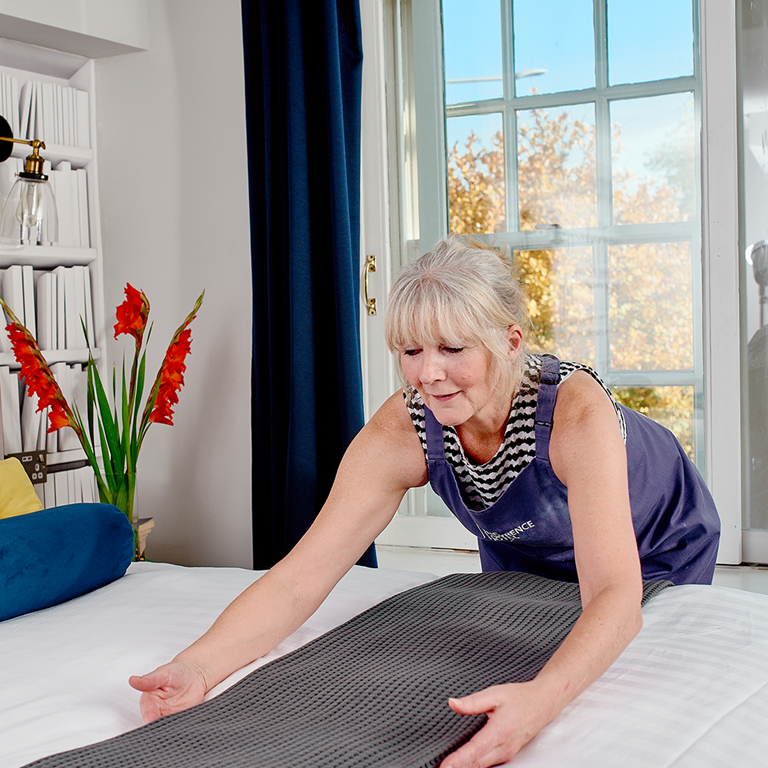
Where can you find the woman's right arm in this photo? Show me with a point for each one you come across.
(381, 463)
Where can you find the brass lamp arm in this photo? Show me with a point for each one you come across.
(36, 144)
(33, 165)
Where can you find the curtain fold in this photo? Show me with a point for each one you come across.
(303, 75)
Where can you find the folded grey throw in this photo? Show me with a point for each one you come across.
(373, 691)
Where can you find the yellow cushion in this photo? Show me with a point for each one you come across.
(17, 494)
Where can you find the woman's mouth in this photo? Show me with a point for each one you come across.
(444, 398)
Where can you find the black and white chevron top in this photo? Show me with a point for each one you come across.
(482, 484)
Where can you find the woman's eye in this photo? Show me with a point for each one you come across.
(411, 352)
(453, 350)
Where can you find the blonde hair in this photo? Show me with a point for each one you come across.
(461, 293)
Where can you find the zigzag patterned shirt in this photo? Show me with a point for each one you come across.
(482, 484)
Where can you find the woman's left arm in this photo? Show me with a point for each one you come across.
(588, 455)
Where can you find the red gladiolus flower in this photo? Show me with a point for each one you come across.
(57, 418)
(38, 376)
(118, 423)
(171, 379)
(132, 314)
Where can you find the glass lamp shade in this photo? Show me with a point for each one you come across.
(29, 215)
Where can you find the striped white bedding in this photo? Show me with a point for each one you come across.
(691, 689)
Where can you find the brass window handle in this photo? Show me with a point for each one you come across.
(370, 266)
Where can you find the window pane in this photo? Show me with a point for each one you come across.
(652, 40)
(556, 167)
(561, 301)
(654, 159)
(558, 38)
(670, 406)
(650, 314)
(472, 51)
(756, 423)
(475, 174)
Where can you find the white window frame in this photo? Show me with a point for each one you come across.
(720, 270)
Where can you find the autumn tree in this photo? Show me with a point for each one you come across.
(650, 320)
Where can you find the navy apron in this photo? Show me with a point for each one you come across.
(528, 528)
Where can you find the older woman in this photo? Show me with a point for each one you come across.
(531, 454)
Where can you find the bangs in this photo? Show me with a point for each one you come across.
(422, 316)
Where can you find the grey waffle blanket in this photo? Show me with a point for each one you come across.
(373, 691)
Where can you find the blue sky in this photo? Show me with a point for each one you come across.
(647, 40)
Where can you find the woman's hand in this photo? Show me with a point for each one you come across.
(516, 713)
(171, 688)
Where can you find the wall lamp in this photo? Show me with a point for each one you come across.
(29, 216)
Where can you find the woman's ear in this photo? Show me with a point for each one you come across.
(515, 340)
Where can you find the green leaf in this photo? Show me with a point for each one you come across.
(111, 433)
(137, 403)
(126, 419)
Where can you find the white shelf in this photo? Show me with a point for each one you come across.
(64, 457)
(52, 356)
(46, 256)
(55, 153)
(35, 60)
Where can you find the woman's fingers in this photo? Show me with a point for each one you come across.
(170, 688)
(150, 681)
(474, 704)
(512, 722)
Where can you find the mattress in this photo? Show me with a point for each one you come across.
(690, 690)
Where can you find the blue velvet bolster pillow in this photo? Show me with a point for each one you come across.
(53, 555)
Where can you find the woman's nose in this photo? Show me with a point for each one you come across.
(432, 368)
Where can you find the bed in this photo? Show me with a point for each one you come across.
(690, 690)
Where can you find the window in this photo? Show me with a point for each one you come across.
(570, 139)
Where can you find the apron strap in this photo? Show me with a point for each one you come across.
(435, 444)
(545, 406)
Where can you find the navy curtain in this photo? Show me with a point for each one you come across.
(303, 74)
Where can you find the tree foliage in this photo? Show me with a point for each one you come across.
(649, 289)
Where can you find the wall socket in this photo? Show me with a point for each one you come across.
(35, 463)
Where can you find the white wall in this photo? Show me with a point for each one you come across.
(174, 197)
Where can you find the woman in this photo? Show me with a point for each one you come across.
(530, 454)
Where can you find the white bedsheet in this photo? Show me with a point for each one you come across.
(691, 689)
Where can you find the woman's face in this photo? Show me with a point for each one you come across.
(456, 383)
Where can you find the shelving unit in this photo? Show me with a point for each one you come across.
(29, 62)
